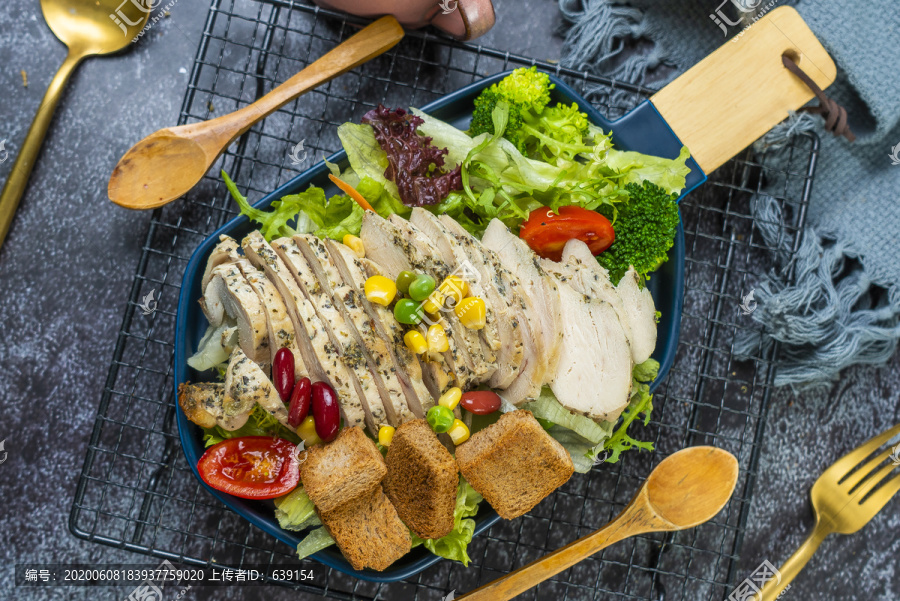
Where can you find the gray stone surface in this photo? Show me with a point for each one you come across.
(66, 270)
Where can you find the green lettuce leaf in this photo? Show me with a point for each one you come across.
(668, 174)
(640, 404)
(453, 545)
(211, 352)
(314, 542)
(366, 157)
(300, 208)
(546, 407)
(295, 511)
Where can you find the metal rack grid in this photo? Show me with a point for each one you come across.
(136, 491)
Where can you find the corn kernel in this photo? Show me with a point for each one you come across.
(385, 435)
(437, 339)
(307, 431)
(355, 244)
(434, 303)
(415, 342)
(454, 287)
(380, 290)
(471, 312)
(458, 432)
(450, 399)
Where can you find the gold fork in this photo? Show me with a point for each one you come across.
(842, 501)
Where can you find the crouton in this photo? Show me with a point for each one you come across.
(368, 531)
(343, 470)
(421, 480)
(514, 463)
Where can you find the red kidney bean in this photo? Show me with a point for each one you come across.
(326, 410)
(283, 373)
(300, 401)
(480, 402)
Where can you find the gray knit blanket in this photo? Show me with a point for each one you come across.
(843, 306)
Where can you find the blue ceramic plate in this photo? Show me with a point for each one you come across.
(631, 132)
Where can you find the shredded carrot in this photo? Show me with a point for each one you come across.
(351, 192)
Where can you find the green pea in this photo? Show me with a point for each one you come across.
(421, 287)
(404, 280)
(408, 312)
(440, 418)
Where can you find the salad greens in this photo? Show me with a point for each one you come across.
(295, 511)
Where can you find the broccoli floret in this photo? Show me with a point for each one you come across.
(645, 227)
(547, 132)
(525, 90)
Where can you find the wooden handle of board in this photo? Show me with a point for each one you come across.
(728, 100)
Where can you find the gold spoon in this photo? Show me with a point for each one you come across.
(88, 28)
(166, 164)
(686, 489)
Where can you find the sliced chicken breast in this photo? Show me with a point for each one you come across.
(483, 358)
(641, 314)
(541, 290)
(632, 303)
(348, 349)
(593, 376)
(350, 303)
(278, 322)
(391, 249)
(499, 285)
(207, 405)
(443, 240)
(228, 293)
(223, 252)
(438, 369)
(319, 354)
(244, 380)
(353, 273)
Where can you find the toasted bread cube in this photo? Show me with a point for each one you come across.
(514, 463)
(342, 470)
(421, 480)
(368, 531)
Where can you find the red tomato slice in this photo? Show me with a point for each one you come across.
(547, 232)
(251, 467)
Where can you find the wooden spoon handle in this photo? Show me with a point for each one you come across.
(374, 39)
(635, 519)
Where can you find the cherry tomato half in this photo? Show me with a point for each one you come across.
(480, 402)
(547, 232)
(251, 467)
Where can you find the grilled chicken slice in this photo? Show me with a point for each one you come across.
(278, 322)
(498, 284)
(438, 369)
(443, 240)
(483, 359)
(353, 273)
(228, 293)
(542, 290)
(593, 376)
(319, 354)
(641, 315)
(633, 304)
(245, 381)
(207, 405)
(374, 347)
(224, 252)
(348, 349)
(389, 248)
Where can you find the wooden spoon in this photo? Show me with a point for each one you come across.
(686, 489)
(166, 164)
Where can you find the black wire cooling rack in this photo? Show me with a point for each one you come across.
(136, 491)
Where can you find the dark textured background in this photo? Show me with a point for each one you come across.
(66, 269)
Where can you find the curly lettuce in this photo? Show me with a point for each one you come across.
(453, 545)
